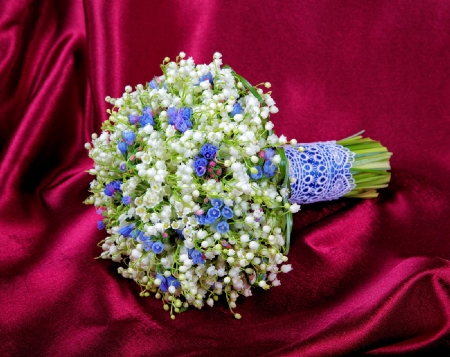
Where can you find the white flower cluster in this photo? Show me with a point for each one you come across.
(188, 186)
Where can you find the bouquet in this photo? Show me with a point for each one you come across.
(196, 192)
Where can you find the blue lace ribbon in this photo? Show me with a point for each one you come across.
(322, 171)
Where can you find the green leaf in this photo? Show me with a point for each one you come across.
(283, 168)
(289, 222)
(281, 165)
(246, 84)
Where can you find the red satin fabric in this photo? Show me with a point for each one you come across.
(370, 277)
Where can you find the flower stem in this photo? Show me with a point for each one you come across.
(369, 169)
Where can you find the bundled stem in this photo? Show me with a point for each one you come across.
(370, 166)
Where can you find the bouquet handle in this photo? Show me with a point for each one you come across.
(354, 167)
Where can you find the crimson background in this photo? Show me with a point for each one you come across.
(370, 277)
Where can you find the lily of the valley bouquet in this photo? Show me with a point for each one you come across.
(195, 191)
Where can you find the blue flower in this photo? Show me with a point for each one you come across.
(213, 213)
(157, 247)
(208, 151)
(172, 113)
(227, 212)
(200, 161)
(201, 219)
(153, 85)
(109, 189)
(196, 256)
(123, 167)
(180, 233)
(143, 238)
(185, 112)
(137, 233)
(269, 153)
(127, 200)
(125, 231)
(210, 220)
(123, 147)
(200, 170)
(182, 120)
(148, 245)
(163, 279)
(100, 225)
(269, 168)
(133, 118)
(258, 175)
(223, 227)
(171, 281)
(117, 184)
(237, 109)
(200, 166)
(208, 77)
(216, 202)
(129, 137)
(147, 117)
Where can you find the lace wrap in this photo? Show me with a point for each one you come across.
(322, 171)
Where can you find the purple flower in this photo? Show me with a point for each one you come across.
(258, 175)
(127, 200)
(157, 247)
(109, 189)
(269, 153)
(129, 137)
(133, 118)
(183, 119)
(223, 227)
(200, 170)
(147, 117)
(269, 168)
(227, 212)
(237, 109)
(213, 213)
(216, 202)
(123, 167)
(123, 147)
(100, 225)
(125, 231)
(172, 113)
(208, 151)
